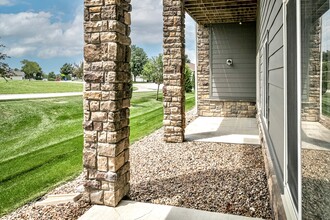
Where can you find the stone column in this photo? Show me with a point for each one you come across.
(174, 65)
(312, 79)
(106, 100)
(203, 71)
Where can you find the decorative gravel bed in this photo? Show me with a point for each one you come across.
(225, 178)
(62, 211)
(316, 184)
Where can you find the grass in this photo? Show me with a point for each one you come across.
(41, 142)
(41, 146)
(26, 87)
(143, 123)
(326, 104)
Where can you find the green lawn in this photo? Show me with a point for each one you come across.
(147, 116)
(326, 104)
(26, 86)
(41, 142)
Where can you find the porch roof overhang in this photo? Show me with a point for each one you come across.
(206, 12)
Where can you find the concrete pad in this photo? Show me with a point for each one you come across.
(59, 199)
(315, 136)
(223, 130)
(129, 210)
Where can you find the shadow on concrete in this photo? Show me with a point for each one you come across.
(315, 136)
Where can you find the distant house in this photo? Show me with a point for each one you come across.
(192, 67)
(18, 75)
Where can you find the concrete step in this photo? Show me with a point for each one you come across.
(129, 210)
(59, 199)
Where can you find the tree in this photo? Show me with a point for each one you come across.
(66, 70)
(186, 59)
(153, 71)
(5, 71)
(51, 76)
(188, 79)
(39, 76)
(31, 69)
(325, 71)
(78, 70)
(138, 59)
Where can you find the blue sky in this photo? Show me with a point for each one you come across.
(51, 32)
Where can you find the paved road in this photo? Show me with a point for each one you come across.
(38, 96)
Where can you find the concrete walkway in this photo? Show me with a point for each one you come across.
(38, 95)
(147, 87)
(315, 136)
(224, 130)
(129, 210)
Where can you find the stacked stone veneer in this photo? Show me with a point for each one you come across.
(174, 64)
(106, 100)
(212, 107)
(311, 104)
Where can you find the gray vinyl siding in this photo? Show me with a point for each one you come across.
(236, 42)
(271, 22)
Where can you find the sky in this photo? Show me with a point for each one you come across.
(50, 32)
(326, 31)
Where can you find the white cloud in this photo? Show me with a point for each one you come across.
(326, 31)
(147, 22)
(6, 3)
(191, 38)
(147, 26)
(18, 51)
(34, 34)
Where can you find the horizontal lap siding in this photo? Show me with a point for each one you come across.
(271, 22)
(236, 42)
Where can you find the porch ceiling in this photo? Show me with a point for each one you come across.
(221, 11)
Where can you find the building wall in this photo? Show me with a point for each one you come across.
(206, 104)
(270, 49)
(236, 42)
(271, 63)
